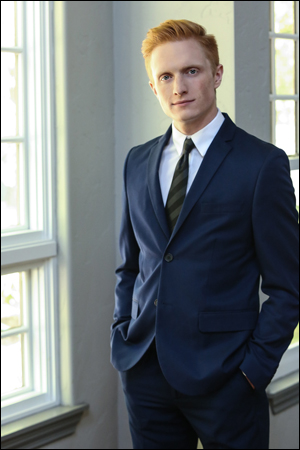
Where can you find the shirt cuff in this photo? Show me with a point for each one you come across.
(253, 387)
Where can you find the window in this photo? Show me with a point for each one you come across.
(284, 99)
(28, 245)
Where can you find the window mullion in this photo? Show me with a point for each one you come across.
(14, 331)
(284, 97)
(13, 139)
(284, 36)
(12, 49)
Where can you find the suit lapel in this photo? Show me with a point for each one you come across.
(217, 152)
(153, 181)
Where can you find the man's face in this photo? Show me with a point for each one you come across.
(184, 84)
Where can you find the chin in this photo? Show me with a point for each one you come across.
(186, 118)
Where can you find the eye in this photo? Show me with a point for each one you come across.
(193, 71)
(165, 77)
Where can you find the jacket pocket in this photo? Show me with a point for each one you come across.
(134, 309)
(223, 321)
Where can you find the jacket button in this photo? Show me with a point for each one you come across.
(155, 302)
(169, 257)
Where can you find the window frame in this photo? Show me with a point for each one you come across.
(294, 159)
(290, 360)
(35, 249)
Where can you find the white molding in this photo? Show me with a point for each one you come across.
(12, 49)
(40, 429)
(274, 97)
(12, 139)
(284, 392)
(28, 252)
(294, 163)
(289, 362)
(274, 35)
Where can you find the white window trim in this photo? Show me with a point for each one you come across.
(36, 249)
(289, 363)
(294, 160)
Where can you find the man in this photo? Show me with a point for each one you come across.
(207, 210)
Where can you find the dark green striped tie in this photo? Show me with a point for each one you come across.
(179, 184)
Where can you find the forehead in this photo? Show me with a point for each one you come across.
(174, 55)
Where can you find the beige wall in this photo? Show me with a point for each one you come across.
(86, 215)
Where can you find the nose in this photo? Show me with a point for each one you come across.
(179, 87)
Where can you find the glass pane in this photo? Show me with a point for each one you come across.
(12, 300)
(285, 133)
(12, 350)
(295, 180)
(8, 25)
(285, 66)
(12, 186)
(9, 93)
(284, 21)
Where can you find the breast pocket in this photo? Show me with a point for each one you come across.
(221, 208)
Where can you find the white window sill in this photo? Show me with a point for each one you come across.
(40, 429)
(283, 393)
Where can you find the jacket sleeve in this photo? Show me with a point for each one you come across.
(276, 237)
(129, 269)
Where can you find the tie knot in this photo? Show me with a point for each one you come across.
(188, 146)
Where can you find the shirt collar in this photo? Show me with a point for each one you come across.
(202, 138)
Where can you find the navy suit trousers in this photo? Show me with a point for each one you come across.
(235, 416)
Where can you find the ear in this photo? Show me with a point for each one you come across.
(153, 88)
(219, 75)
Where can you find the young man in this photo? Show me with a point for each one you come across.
(207, 210)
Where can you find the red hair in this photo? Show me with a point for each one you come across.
(179, 30)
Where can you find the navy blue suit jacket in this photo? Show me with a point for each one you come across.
(197, 290)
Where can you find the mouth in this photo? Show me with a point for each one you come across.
(182, 103)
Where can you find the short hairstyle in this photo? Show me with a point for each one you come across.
(179, 30)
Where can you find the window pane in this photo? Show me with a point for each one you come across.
(13, 315)
(12, 300)
(12, 376)
(9, 94)
(12, 186)
(285, 66)
(284, 17)
(285, 132)
(8, 28)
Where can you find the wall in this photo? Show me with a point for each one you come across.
(85, 196)
(252, 67)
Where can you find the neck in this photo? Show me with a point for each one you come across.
(190, 128)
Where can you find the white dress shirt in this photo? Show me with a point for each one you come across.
(173, 151)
